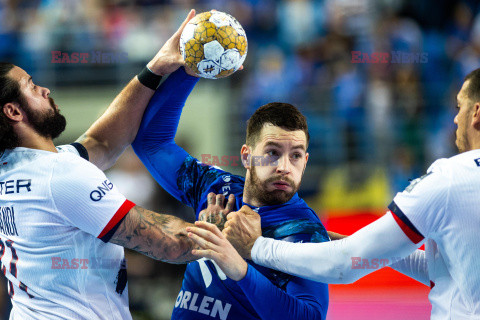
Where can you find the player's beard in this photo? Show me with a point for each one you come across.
(48, 124)
(257, 189)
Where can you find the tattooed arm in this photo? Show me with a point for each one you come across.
(217, 211)
(159, 236)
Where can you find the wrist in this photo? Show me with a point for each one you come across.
(242, 273)
(162, 66)
(156, 67)
(149, 79)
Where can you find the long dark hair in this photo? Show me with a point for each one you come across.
(9, 92)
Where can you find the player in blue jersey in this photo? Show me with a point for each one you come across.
(275, 156)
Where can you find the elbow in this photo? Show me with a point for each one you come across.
(339, 273)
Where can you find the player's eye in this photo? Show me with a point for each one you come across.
(272, 153)
(297, 156)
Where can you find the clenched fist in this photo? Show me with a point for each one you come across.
(242, 228)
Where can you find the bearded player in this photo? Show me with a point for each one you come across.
(440, 209)
(275, 156)
(63, 225)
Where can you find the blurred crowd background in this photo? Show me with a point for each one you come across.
(374, 126)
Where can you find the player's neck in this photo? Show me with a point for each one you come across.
(33, 140)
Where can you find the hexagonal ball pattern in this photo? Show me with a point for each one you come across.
(208, 69)
(213, 44)
(221, 19)
(213, 51)
(200, 17)
(205, 32)
(230, 59)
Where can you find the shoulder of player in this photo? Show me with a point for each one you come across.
(463, 161)
(67, 163)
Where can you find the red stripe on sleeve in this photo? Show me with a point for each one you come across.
(412, 235)
(121, 212)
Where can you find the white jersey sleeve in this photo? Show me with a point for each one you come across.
(85, 197)
(75, 148)
(342, 261)
(414, 266)
(419, 209)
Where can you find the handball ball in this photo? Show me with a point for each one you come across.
(213, 45)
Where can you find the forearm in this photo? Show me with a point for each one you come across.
(282, 305)
(159, 236)
(108, 137)
(414, 266)
(155, 144)
(332, 262)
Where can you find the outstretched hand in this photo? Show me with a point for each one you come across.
(213, 245)
(169, 58)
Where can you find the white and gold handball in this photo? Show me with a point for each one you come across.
(213, 44)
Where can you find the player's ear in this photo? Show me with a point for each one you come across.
(305, 165)
(246, 156)
(476, 116)
(12, 111)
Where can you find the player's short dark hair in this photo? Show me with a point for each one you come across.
(283, 115)
(9, 92)
(473, 89)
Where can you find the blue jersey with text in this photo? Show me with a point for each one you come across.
(206, 292)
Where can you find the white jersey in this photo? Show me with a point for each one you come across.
(55, 210)
(444, 208)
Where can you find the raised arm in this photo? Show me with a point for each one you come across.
(108, 137)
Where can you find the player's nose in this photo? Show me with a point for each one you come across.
(284, 165)
(45, 92)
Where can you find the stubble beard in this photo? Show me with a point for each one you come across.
(257, 190)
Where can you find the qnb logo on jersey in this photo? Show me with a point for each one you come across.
(101, 191)
(204, 304)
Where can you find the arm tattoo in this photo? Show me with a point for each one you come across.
(159, 236)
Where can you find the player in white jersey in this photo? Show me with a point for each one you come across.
(440, 209)
(62, 222)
